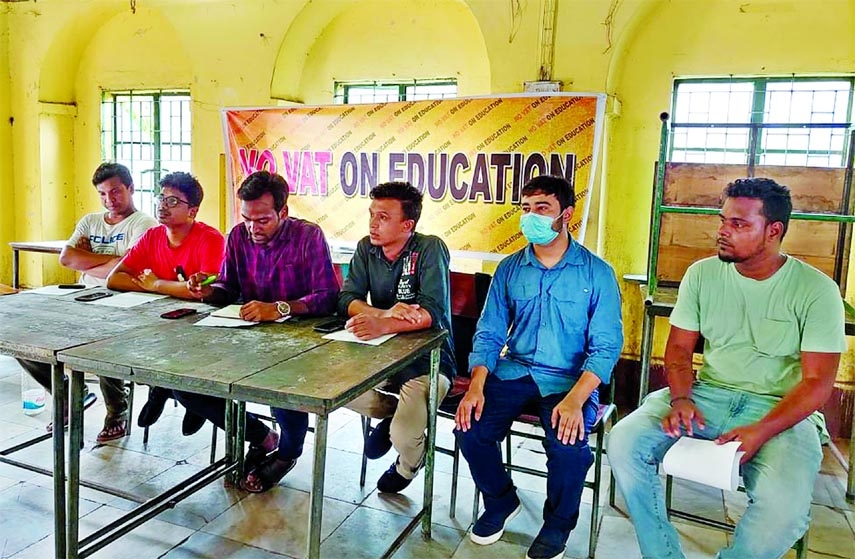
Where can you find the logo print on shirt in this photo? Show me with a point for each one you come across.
(407, 283)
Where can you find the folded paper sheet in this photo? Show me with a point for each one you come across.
(704, 462)
(345, 336)
(229, 317)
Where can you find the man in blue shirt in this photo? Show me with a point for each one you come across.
(556, 306)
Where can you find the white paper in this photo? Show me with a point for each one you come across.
(227, 318)
(705, 462)
(128, 299)
(345, 336)
(53, 290)
(231, 311)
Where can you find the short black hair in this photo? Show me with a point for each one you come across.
(409, 196)
(187, 184)
(777, 203)
(551, 185)
(110, 169)
(258, 183)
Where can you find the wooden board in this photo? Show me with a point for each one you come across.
(687, 238)
(813, 189)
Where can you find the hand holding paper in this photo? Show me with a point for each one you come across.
(704, 462)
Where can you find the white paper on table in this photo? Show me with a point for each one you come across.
(345, 336)
(231, 311)
(128, 300)
(54, 290)
(705, 462)
(224, 322)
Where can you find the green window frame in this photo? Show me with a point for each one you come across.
(385, 91)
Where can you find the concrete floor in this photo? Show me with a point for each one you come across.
(220, 522)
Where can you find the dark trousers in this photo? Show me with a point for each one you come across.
(293, 425)
(567, 465)
(113, 389)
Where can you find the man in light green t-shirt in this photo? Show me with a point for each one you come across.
(773, 330)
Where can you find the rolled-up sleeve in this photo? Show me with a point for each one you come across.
(492, 330)
(605, 328)
(434, 291)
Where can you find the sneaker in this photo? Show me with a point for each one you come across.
(378, 442)
(191, 423)
(391, 481)
(549, 544)
(491, 524)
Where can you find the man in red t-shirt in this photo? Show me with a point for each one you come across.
(163, 260)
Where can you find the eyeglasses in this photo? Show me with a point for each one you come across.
(170, 201)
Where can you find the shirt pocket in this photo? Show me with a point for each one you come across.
(571, 302)
(777, 337)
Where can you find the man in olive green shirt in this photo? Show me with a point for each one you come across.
(407, 277)
(773, 331)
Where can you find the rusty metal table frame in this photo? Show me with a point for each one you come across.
(44, 247)
(92, 358)
(661, 304)
(322, 405)
(27, 345)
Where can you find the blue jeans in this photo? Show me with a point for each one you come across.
(293, 425)
(504, 401)
(778, 480)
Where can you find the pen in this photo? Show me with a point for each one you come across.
(179, 271)
(209, 280)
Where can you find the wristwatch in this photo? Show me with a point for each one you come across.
(283, 308)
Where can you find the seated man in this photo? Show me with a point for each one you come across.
(99, 241)
(556, 307)
(163, 260)
(773, 332)
(406, 275)
(277, 266)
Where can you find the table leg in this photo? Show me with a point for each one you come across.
(15, 273)
(646, 350)
(75, 438)
(316, 499)
(430, 443)
(59, 399)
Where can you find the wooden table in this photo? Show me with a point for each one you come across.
(47, 247)
(38, 327)
(661, 304)
(286, 365)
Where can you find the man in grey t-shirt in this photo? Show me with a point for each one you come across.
(98, 243)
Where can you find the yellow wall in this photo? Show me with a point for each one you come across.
(257, 53)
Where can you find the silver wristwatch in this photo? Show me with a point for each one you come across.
(283, 308)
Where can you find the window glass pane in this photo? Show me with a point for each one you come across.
(710, 102)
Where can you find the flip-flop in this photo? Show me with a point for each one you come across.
(267, 474)
(115, 427)
(88, 401)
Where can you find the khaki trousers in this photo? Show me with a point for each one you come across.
(409, 412)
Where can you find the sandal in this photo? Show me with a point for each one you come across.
(258, 453)
(115, 427)
(88, 401)
(267, 474)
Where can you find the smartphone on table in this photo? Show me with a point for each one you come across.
(93, 296)
(178, 313)
(330, 325)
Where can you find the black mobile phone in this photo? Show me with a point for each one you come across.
(93, 296)
(330, 326)
(178, 313)
(71, 286)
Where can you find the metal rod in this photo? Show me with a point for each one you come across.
(58, 389)
(806, 216)
(656, 215)
(15, 271)
(430, 443)
(844, 233)
(399, 541)
(75, 438)
(316, 499)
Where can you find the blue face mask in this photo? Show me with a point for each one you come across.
(537, 228)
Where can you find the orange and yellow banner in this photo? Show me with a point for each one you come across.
(469, 157)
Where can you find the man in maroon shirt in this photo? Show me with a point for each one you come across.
(276, 266)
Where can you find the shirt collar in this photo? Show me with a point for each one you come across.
(378, 250)
(572, 256)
